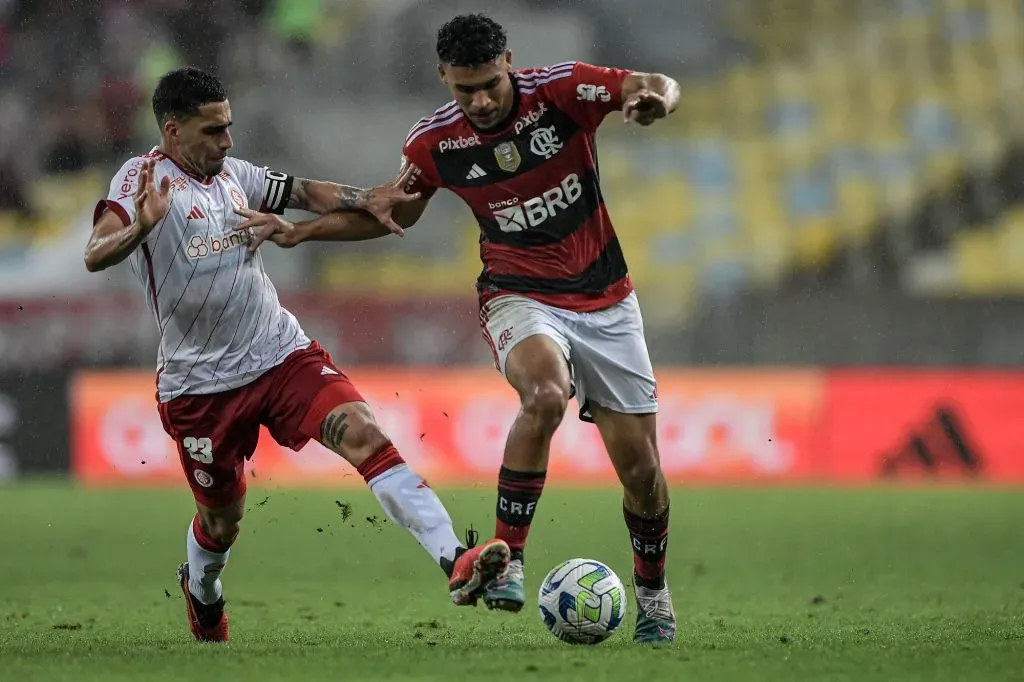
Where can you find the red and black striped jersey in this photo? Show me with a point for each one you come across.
(532, 183)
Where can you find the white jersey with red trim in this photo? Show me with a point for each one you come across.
(221, 324)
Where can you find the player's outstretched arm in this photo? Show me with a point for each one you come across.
(111, 240)
(647, 97)
(402, 211)
(327, 197)
(357, 227)
(352, 226)
(320, 196)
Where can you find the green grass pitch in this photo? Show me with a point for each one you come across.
(772, 584)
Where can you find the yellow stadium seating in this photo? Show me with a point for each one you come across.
(977, 260)
(880, 102)
(988, 261)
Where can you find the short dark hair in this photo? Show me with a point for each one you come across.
(181, 92)
(471, 40)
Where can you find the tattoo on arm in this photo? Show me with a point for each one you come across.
(299, 197)
(333, 429)
(350, 198)
(326, 197)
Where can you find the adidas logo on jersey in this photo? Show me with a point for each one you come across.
(325, 370)
(475, 172)
(196, 214)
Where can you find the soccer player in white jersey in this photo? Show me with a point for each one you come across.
(231, 358)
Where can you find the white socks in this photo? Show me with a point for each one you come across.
(204, 565)
(409, 502)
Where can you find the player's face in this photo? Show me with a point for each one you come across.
(484, 92)
(204, 140)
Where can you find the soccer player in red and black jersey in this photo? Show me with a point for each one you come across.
(556, 302)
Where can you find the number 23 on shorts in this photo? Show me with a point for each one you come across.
(199, 449)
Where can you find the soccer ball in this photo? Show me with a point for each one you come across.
(582, 601)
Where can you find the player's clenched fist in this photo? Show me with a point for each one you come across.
(644, 107)
(151, 202)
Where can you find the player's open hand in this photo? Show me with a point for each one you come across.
(268, 226)
(151, 202)
(644, 107)
(381, 200)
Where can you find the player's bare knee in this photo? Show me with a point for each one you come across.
(365, 439)
(641, 474)
(225, 532)
(351, 431)
(222, 525)
(544, 405)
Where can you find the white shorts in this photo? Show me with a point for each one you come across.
(606, 349)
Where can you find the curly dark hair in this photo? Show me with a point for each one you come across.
(470, 40)
(181, 92)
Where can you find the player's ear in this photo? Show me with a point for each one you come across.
(508, 58)
(441, 73)
(170, 129)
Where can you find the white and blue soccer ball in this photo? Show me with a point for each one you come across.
(582, 601)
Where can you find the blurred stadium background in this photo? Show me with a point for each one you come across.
(843, 186)
(826, 239)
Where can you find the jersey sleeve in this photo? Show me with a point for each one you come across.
(120, 197)
(267, 190)
(589, 94)
(425, 178)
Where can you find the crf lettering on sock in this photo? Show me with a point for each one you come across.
(518, 495)
(514, 511)
(649, 537)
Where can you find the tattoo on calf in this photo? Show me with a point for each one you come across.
(332, 431)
